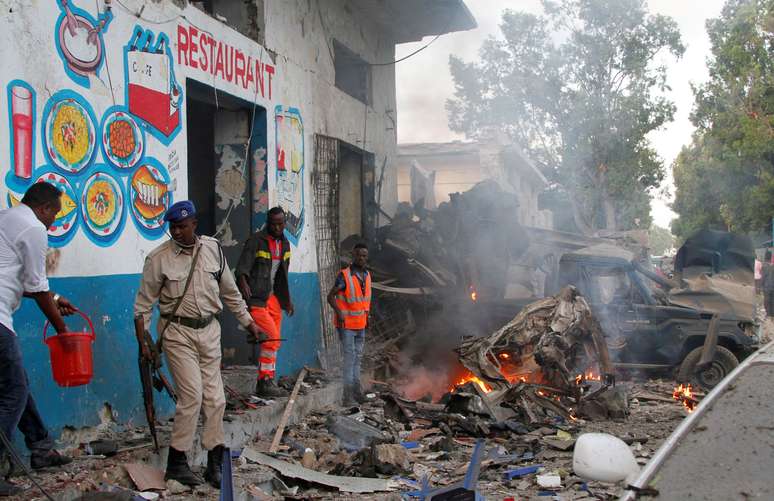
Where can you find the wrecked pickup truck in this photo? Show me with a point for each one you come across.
(654, 323)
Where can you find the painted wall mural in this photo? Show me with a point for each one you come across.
(123, 141)
(107, 164)
(260, 179)
(102, 207)
(150, 195)
(79, 42)
(152, 92)
(98, 197)
(69, 132)
(289, 129)
(21, 118)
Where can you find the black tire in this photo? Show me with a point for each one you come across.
(723, 363)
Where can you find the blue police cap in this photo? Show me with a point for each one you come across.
(180, 211)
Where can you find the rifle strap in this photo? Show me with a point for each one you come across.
(182, 296)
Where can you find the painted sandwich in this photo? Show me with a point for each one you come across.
(150, 198)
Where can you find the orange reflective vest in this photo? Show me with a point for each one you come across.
(353, 302)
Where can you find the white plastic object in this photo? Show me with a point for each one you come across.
(551, 481)
(603, 458)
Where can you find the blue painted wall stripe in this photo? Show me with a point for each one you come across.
(109, 301)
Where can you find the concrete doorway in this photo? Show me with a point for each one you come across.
(226, 177)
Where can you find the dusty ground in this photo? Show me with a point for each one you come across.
(444, 460)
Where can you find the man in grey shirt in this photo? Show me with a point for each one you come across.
(23, 246)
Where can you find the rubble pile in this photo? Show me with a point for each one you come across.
(427, 275)
(552, 358)
(417, 448)
(385, 448)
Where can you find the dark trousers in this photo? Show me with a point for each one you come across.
(17, 407)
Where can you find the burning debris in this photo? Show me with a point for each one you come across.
(551, 358)
(685, 395)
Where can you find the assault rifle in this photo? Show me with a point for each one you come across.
(149, 361)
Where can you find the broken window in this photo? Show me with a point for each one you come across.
(245, 16)
(353, 74)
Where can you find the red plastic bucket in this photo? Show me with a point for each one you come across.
(71, 358)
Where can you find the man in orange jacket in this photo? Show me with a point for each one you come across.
(350, 299)
(262, 274)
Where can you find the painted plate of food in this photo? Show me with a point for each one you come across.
(102, 204)
(70, 134)
(122, 140)
(150, 192)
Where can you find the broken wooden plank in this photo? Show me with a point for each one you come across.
(344, 484)
(288, 409)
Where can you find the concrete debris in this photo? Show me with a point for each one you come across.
(315, 463)
(355, 435)
(309, 459)
(175, 487)
(559, 444)
(384, 459)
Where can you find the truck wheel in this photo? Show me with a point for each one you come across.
(723, 363)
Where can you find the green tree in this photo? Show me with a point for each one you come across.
(725, 178)
(578, 88)
(661, 240)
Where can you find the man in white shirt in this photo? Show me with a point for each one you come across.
(23, 246)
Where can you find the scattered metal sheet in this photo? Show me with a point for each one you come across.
(344, 484)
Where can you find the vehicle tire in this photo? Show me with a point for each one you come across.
(723, 363)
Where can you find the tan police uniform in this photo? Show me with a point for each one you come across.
(191, 342)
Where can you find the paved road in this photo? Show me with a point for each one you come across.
(728, 454)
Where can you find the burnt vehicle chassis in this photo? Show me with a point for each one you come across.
(655, 324)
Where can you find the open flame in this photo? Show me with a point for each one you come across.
(684, 394)
(588, 376)
(473, 294)
(470, 378)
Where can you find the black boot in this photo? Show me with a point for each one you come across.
(266, 388)
(8, 489)
(178, 469)
(357, 393)
(48, 459)
(348, 399)
(214, 464)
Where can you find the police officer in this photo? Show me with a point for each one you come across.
(188, 276)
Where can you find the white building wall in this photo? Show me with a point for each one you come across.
(297, 74)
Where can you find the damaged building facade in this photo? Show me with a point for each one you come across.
(130, 106)
(457, 166)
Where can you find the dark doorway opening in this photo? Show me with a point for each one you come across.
(357, 214)
(226, 181)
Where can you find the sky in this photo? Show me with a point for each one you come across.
(424, 81)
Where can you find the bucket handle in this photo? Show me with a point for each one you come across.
(79, 312)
